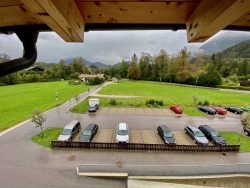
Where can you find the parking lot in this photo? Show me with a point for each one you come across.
(153, 112)
(138, 111)
(139, 136)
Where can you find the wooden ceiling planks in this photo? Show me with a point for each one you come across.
(62, 20)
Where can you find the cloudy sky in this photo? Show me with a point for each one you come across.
(108, 47)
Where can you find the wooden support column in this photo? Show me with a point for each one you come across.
(211, 16)
(62, 16)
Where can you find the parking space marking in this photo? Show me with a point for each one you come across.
(160, 141)
(135, 136)
(182, 139)
(149, 137)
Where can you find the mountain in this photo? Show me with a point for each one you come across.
(241, 50)
(88, 63)
(223, 41)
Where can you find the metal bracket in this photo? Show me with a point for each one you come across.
(28, 37)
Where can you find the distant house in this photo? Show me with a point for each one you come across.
(245, 83)
(35, 69)
(85, 77)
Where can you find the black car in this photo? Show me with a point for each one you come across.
(212, 135)
(247, 131)
(196, 135)
(207, 110)
(88, 133)
(166, 135)
(93, 108)
(235, 110)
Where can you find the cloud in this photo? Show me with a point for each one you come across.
(103, 46)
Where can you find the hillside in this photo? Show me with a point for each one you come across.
(224, 41)
(88, 63)
(241, 50)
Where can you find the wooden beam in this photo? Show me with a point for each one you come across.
(211, 16)
(62, 16)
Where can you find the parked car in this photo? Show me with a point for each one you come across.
(246, 108)
(212, 135)
(196, 135)
(93, 104)
(88, 133)
(221, 111)
(176, 108)
(247, 131)
(122, 133)
(69, 131)
(207, 110)
(93, 108)
(235, 110)
(166, 135)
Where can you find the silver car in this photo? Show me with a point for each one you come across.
(196, 135)
(69, 131)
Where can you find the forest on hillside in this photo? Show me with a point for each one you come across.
(182, 68)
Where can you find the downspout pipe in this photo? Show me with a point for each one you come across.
(29, 39)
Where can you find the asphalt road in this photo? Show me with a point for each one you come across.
(26, 164)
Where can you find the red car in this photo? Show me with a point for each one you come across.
(220, 110)
(177, 109)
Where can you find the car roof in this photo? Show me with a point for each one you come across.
(165, 128)
(122, 126)
(71, 124)
(193, 128)
(90, 127)
(208, 128)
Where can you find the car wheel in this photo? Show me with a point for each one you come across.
(246, 133)
(185, 131)
(195, 141)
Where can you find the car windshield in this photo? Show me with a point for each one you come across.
(198, 134)
(215, 134)
(122, 132)
(168, 134)
(66, 132)
(86, 133)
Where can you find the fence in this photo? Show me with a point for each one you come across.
(143, 147)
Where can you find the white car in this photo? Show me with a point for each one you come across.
(122, 134)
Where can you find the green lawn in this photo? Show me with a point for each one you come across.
(82, 107)
(47, 136)
(175, 94)
(232, 139)
(172, 94)
(17, 102)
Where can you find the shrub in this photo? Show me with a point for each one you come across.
(154, 103)
(74, 82)
(200, 103)
(112, 102)
(206, 103)
(95, 81)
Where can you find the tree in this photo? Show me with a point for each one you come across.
(198, 67)
(183, 69)
(134, 71)
(245, 122)
(38, 119)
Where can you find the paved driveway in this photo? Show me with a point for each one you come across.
(26, 164)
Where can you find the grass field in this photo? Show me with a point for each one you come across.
(17, 102)
(175, 94)
(170, 94)
(232, 139)
(47, 136)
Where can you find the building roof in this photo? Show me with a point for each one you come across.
(91, 75)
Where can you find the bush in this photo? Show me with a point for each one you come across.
(74, 82)
(95, 81)
(112, 102)
(200, 103)
(206, 103)
(154, 103)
